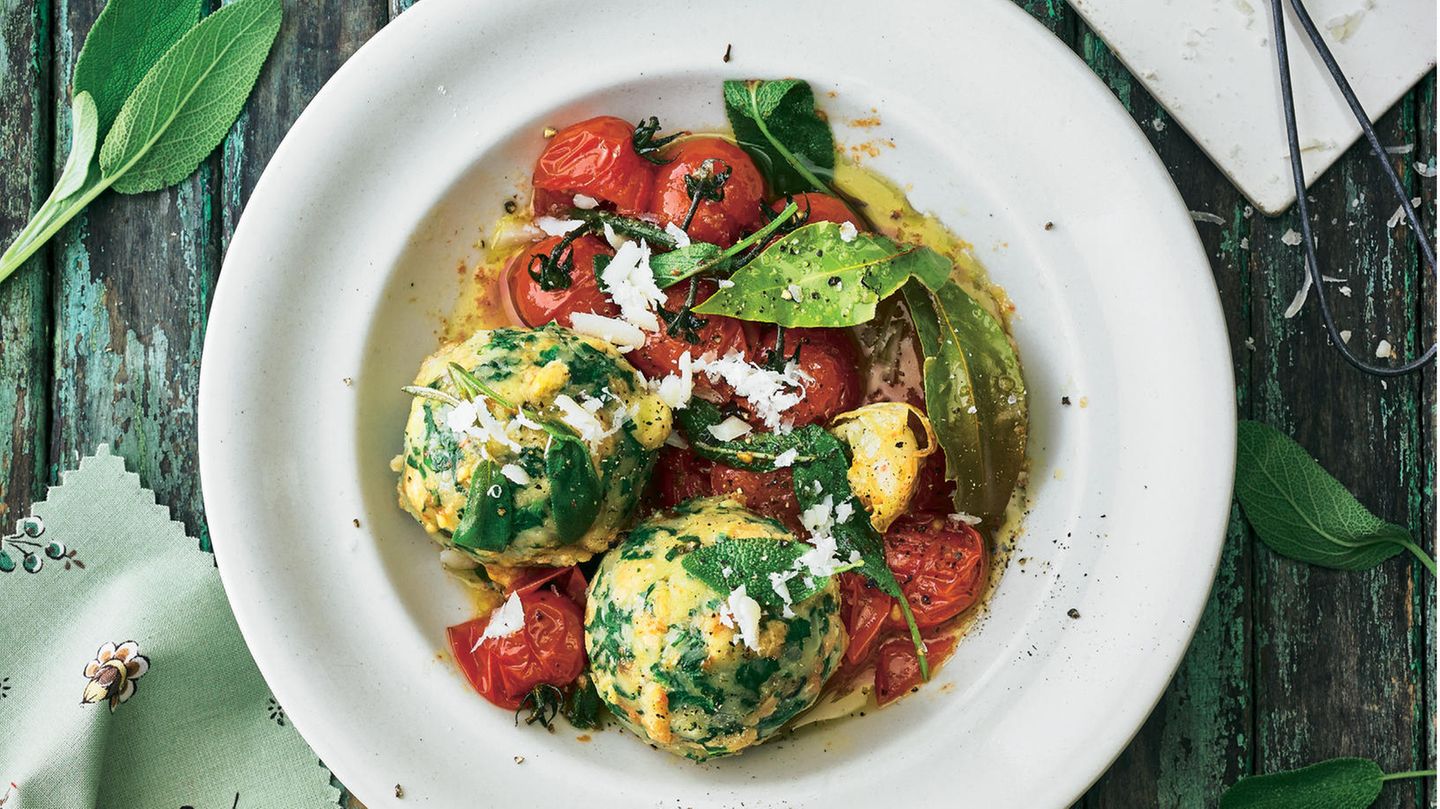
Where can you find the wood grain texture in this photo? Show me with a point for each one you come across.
(25, 144)
(100, 341)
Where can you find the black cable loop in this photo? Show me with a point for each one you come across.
(1297, 170)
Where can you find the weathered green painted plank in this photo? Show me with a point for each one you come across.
(25, 297)
(1055, 15)
(1197, 740)
(1336, 673)
(133, 276)
(1423, 602)
(315, 39)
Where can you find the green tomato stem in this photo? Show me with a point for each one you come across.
(1420, 554)
(915, 637)
(770, 227)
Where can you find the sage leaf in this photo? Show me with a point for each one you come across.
(84, 131)
(488, 517)
(754, 451)
(974, 396)
(128, 37)
(574, 487)
(1300, 511)
(776, 123)
(815, 277)
(583, 708)
(1341, 783)
(187, 101)
(732, 563)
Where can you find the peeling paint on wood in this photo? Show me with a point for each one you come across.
(100, 341)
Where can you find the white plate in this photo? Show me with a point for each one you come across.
(346, 256)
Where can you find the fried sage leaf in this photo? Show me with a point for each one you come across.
(776, 123)
(574, 487)
(816, 276)
(1300, 511)
(974, 396)
(488, 518)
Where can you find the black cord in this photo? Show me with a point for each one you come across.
(1287, 94)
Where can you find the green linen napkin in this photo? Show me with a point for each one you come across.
(124, 681)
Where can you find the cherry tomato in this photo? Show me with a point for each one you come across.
(769, 494)
(832, 361)
(941, 566)
(932, 491)
(550, 648)
(661, 353)
(568, 581)
(864, 609)
(822, 208)
(720, 222)
(537, 306)
(596, 158)
(898, 668)
(681, 475)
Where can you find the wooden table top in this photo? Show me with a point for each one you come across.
(101, 334)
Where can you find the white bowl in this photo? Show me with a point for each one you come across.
(346, 258)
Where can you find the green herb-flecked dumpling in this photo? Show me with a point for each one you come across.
(481, 475)
(665, 656)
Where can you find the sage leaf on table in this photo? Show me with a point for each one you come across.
(974, 395)
(1341, 783)
(815, 276)
(1300, 511)
(156, 99)
(128, 37)
(732, 563)
(776, 123)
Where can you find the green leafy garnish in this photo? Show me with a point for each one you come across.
(1340, 783)
(583, 708)
(974, 395)
(748, 563)
(574, 487)
(1300, 511)
(754, 451)
(157, 101)
(702, 257)
(487, 521)
(776, 123)
(815, 277)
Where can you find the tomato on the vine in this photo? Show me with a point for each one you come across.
(597, 158)
(719, 335)
(897, 667)
(769, 494)
(941, 565)
(549, 648)
(830, 358)
(717, 221)
(864, 608)
(568, 581)
(820, 208)
(536, 306)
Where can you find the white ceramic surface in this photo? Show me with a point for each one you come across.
(1211, 63)
(346, 256)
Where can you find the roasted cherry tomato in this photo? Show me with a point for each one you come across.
(719, 222)
(932, 491)
(662, 351)
(864, 609)
(941, 565)
(769, 494)
(821, 208)
(568, 581)
(549, 648)
(537, 306)
(681, 475)
(897, 670)
(832, 361)
(596, 158)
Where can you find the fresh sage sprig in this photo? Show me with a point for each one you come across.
(732, 563)
(1341, 783)
(156, 92)
(1298, 510)
(777, 124)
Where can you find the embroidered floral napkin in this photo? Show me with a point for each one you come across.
(124, 681)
